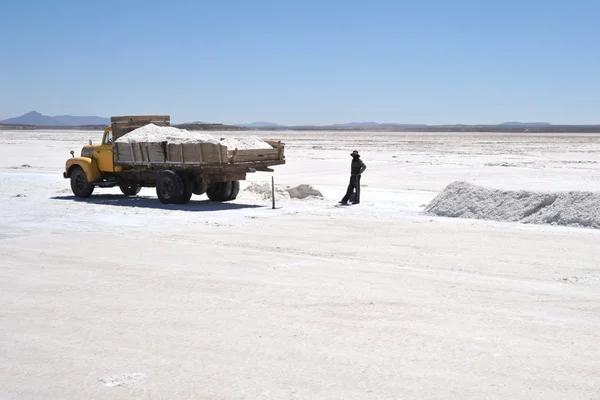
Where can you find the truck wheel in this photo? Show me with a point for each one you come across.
(188, 189)
(169, 187)
(235, 189)
(79, 183)
(219, 191)
(129, 189)
(199, 190)
(200, 187)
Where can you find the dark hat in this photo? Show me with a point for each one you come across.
(355, 153)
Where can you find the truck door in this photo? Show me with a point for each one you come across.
(104, 153)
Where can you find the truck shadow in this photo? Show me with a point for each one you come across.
(153, 202)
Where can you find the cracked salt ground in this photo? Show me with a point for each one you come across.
(306, 301)
(122, 379)
(583, 280)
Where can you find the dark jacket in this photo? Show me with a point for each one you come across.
(357, 167)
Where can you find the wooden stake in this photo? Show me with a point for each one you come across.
(273, 190)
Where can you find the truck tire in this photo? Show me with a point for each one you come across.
(188, 189)
(129, 189)
(235, 189)
(199, 190)
(169, 187)
(199, 186)
(79, 183)
(219, 191)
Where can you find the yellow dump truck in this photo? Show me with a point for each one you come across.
(176, 170)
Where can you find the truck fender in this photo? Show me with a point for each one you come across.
(89, 166)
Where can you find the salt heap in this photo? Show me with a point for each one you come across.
(250, 142)
(155, 134)
(304, 191)
(464, 200)
(262, 190)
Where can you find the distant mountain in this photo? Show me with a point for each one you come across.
(260, 124)
(358, 124)
(72, 120)
(521, 124)
(37, 119)
(373, 124)
(32, 118)
(349, 125)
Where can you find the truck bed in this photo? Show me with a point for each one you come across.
(195, 155)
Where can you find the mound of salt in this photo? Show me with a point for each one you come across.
(464, 200)
(154, 133)
(304, 191)
(245, 143)
(262, 190)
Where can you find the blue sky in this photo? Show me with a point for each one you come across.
(304, 61)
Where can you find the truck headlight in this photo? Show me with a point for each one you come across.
(87, 153)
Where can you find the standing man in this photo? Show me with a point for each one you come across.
(357, 167)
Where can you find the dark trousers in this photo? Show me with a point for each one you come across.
(353, 186)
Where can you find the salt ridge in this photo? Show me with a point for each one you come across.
(465, 200)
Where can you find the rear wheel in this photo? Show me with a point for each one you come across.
(200, 187)
(188, 189)
(219, 191)
(235, 189)
(79, 183)
(169, 187)
(129, 189)
(223, 191)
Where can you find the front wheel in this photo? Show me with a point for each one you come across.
(129, 189)
(79, 183)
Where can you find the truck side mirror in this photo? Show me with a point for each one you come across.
(90, 141)
(72, 153)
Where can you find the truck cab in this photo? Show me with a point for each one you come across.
(95, 167)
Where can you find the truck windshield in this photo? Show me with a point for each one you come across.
(108, 138)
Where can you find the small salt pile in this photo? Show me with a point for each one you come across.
(262, 190)
(304, 191)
